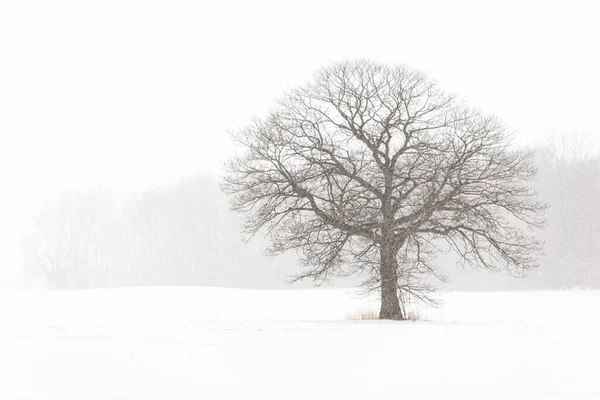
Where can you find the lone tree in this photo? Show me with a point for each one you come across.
(369, 168)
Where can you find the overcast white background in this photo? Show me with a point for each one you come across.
(130, 94)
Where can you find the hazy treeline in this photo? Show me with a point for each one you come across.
(568, 180)
(185, 234)
(174, 235)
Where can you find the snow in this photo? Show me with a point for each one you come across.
(209, 343)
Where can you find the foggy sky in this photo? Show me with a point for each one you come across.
(131, 94)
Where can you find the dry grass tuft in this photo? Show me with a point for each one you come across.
(363, 315)
(370, 315)
(413, 316)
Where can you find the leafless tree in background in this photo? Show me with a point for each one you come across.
(569, 180)
(66, 247)
(366, 168)
(180, 234)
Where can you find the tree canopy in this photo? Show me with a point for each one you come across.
(368, 168)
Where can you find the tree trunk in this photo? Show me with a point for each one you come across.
(390, 304)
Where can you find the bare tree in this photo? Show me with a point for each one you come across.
(179, 234)
(368, 168)
(569, 181)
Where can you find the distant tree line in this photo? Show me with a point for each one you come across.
(569, 180)
(180, 234)
(185, 234)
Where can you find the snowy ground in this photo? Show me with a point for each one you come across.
(203, 343)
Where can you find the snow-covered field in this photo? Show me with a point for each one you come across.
(208, 343)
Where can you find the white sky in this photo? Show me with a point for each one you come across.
(128, 94)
